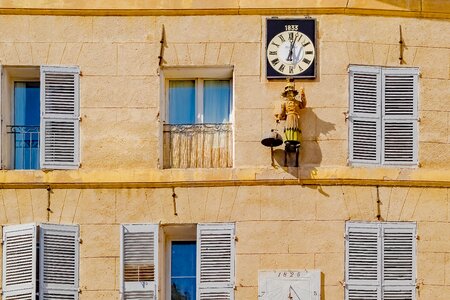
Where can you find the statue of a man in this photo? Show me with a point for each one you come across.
(290, 111)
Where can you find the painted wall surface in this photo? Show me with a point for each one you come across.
(278, 226)
(120, 88)
(285, 227)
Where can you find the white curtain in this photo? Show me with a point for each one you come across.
(198, 146)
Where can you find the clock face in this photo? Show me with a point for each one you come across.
(289, 285)
(290, 50)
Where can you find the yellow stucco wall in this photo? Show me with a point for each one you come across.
(281, 223)
(284, 227)
(120, 96)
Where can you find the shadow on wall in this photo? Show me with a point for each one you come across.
(310, 154)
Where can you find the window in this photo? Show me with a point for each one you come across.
(40, 262)
(383, 115)
(380, 261)
(192, 268)
(197, 130)
(40, 109)
(183, 269)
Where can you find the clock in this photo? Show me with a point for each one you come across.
(291, 48)
(289, 285)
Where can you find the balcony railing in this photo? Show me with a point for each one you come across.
(198, 146)
(25, 145)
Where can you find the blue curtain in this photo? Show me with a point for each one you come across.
(216, 101)
(27, 121)
(182, 102)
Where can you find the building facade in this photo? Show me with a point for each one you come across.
(131, 132)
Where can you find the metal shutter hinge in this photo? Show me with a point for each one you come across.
(346, 116)
(80, 241)
(343, 283)
(2, 241)
(80, 119)
(417, 237)
(236, 239)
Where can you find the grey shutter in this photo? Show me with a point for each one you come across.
(139, 261)
(400, 100)
(215, 261)
(60, 117)
(365, 109)
(399, 261)
(58, 262)
(19, 262)
(363, 261)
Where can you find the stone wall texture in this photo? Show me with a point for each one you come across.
(278, 226)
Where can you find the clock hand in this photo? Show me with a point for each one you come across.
(294, 292)
(291, 49)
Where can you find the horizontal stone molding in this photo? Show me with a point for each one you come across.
(225, 183)
(415, 8)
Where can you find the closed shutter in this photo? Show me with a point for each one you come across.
(400, 100)
(215, 261)
(363, 261)
(58, 262)
(19, 262)
(365, 108)
(60, 117)
(139, 261)
(399, 261)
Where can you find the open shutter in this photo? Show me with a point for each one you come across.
(215, 261)
(365, 109)
(58, 262)
(400, 100)
(399, 261)
(139, 261)
(60, 117)
(19, 262)
(363, 261)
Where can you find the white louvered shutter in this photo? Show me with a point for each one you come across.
(215, 261)
(58, 262)
(60, 117)
(399, 261)
(19, 262)
(365, 109)
(363, 261)
(139, 261)
(400, 115)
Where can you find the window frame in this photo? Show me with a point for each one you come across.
(380, 284)
(10, 75)
(199, 83)
(381, 118)
(225, 233)
(167, 73)
(42, 283)
(48, 120)
(174, 233)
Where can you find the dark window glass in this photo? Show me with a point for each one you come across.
(183, 270)
(26, 125)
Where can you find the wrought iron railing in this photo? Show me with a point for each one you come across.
(25, 145)
(198, 145)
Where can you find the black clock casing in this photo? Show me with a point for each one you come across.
(278, 30)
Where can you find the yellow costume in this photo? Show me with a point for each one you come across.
(290, 111)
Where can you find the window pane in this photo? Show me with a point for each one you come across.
(183, 270)
(182, 101)
(26, 125)
(216, 101)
